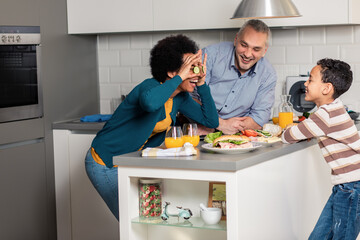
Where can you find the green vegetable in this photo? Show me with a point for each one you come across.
(212, 136)
(196, 69)
(264, 133)
(235, 141)
(306, 114)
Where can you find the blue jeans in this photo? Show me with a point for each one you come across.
(105, 181)
(340, 218)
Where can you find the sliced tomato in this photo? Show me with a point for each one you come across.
(250, 133)
(302, 118)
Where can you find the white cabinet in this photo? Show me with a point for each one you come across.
(81, 212)
(316, 12)
(93, 16)
(188, 14)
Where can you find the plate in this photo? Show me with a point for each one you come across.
(209, 147)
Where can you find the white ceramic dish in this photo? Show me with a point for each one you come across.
(211, 216)
(209, 147)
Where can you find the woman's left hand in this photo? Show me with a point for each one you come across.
(202, 66)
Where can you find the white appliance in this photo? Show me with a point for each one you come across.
(295, 87)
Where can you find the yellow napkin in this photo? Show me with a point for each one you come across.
(186, 150)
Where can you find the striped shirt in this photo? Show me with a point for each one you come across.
(338, 140)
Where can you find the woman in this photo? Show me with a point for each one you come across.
(144, 116)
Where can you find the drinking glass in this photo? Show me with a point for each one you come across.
(275, 115)
(174, 137)
(191, 135)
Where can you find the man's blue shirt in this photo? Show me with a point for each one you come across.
(235, 95)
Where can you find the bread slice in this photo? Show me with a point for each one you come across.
(231, 137)
(275, 130)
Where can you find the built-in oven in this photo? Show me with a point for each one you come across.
(20, 85)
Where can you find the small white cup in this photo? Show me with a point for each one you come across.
(211, 216)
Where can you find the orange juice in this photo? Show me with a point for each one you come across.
(171, 142)
(285, 118)
(275, 120)
(194, 140)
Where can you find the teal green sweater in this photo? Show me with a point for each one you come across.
(134, 120)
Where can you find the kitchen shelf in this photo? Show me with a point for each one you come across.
(194, 222)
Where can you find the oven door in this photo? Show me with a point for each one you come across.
(20, 88)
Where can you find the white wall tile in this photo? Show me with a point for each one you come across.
(104, 75)
(204, 38)
(108, 91)
(130, 58)
(356, 73)
(103, 42)
(228, 35)
(140, 41)
(145, 57)
(120, 75)
(139, 74)
(329, 51)
(312, 35)
(108, 58)
(350, 53)
(284, 37)
(105, 106)
(276, 55)
(298, 55)
(357, 34)
(127, 88)
(305, 69)
(119, 41)
(339, 34)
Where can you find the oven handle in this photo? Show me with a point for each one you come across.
(22, 143)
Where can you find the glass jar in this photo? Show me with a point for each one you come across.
(285, 111)
(149, 198)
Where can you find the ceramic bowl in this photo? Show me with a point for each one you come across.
(211, 216)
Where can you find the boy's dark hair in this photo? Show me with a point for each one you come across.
(167, 55)
(337, 73)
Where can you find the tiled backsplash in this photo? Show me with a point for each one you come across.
(124, 58)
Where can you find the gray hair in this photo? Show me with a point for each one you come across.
(258, 26)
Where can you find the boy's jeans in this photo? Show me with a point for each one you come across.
(340, 218)
(105, 181)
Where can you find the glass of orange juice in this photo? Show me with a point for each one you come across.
(191, 135)
(174, 137)
(275, 115)
(285, 118)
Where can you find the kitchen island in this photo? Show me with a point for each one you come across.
(274, 192)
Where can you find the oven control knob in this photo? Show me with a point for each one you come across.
(18, 38)
(3, 38)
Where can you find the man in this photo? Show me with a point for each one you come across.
(241, 80)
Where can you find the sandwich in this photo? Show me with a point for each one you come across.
(232, 141)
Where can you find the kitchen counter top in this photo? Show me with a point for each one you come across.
(205, 160)
(77, 125)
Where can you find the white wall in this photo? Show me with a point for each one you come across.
(124, 58)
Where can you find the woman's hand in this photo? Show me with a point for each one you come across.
(186, 70)
(202, 66)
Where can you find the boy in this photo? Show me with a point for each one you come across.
(339, 141)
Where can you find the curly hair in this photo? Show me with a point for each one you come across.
(337, 73)
(167, 55)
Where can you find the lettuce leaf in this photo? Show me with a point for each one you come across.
(235, 141)
(212, 136)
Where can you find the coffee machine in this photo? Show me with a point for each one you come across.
(295, 87)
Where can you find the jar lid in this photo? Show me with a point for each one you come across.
(150, 180)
